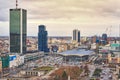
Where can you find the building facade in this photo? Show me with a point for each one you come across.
(5, 63)
(18, 30)
(42, 39)
(76, 35)
(32, 73)
(104, 38)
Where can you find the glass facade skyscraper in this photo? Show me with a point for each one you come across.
(76, 35)
(18, 30)
(42, 39)
(104, 37)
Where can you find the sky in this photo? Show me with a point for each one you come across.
(91, 17)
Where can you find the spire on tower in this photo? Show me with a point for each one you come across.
(16, 4)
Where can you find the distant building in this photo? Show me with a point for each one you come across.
(54, 48)
(18, 30)
(104, 38)
(0, 65)
(115, 47)
(42, 39)
(76, 35)
(95, 39)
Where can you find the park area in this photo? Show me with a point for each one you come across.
(63, 73)
(47, 69)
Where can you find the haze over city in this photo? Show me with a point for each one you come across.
(91, 17)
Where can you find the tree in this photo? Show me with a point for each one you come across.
(57, 77)
(64, 75)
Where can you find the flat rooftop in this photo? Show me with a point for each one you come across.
(77, 52)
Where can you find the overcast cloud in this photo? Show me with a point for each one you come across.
(62, 16)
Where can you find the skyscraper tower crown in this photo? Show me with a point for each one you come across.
(42, 28)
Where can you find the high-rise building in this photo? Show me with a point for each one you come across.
(42, 39)
(76, 35)
(18, 30)
(104, 37)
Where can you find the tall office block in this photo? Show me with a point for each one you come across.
(104, 37)
(42, 39)
(18, 30)
(76, 35)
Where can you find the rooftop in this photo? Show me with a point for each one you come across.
(77, 52)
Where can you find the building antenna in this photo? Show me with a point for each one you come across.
(16, 4)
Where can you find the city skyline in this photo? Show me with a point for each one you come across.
(62, 17)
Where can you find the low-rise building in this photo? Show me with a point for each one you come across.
(32, 73)
(16, 60)
(0, 65)
(16, 78)
(34, 56)
(5, 64)
(77, 55)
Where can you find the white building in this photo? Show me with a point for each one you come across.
(16, 60)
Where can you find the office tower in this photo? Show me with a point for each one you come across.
(76, 35)
(42, 39)
(18, 30)
(104, 37)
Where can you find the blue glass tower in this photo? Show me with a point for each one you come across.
(42, 39)
(104, 38)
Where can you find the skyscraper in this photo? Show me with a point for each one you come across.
(104, 37)
(42, 39)
(18, 30)
(76, 35)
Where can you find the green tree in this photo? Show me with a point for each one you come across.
(64, 75)
(57, 77)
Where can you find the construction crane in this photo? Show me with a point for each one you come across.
(108, 31)
(109, 34)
